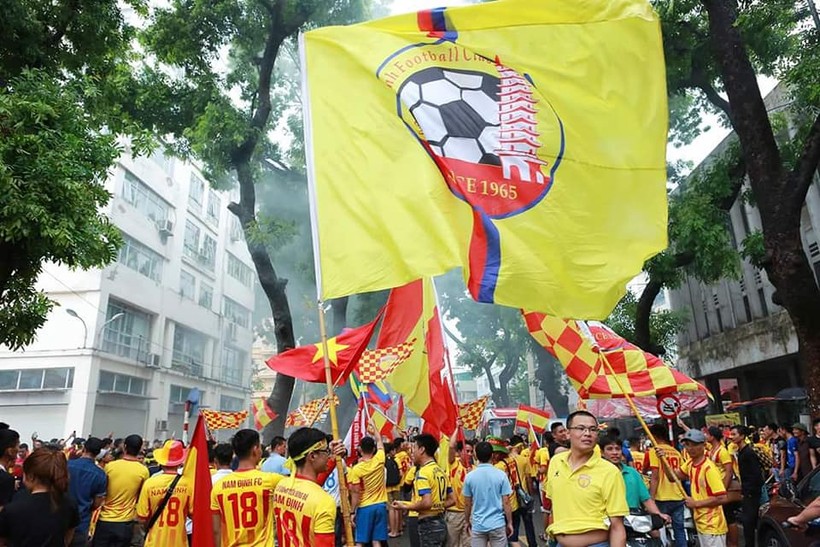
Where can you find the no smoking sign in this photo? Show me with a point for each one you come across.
(668, 406)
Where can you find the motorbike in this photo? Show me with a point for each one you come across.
(638, 526)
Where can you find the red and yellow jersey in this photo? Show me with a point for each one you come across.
(638, 461)
(169, 529)
(403, 460)
(667, 489)
(305, 514)
(457, 475)
(706, 483)
(244, 502)
(369, 477)
(508, 466)
(720, 457)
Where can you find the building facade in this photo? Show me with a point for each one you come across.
(736, 339)
(124, 345)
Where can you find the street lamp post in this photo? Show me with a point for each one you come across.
(73, 314)
(113, 318)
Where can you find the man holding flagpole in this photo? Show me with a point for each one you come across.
(369, 492)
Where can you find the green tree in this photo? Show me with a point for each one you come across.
(224, 115)
(62, 71)
(717, 47)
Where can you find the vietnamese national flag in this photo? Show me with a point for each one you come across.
(307, 362)
(197, 472)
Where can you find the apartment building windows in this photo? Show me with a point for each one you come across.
(199, 247)
(140, 258)
(37, 379)
(111, 382)
(196, 193)
(214, 206)
(143, 199)
(232, 365)
(231, 404)
(236, 228)
(239, 271)
(187, 285)
(206, 295)
(236, 312)
(128, 333)
(189, 350)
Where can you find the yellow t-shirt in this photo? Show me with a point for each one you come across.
(542, 461)
(637, 460)
(303, 511)
(403, 459)
(430, 479)
(706, 483)
(125, 478)
(169, 530)
(457, 474)
(508, 466)
(720, 456)
(370, 477)
(667, 489)
(408, 480)
(583, 499)
(244, 502)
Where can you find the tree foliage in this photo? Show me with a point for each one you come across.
(223, 80)
(63, 73)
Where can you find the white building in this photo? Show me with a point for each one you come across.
(124, 345)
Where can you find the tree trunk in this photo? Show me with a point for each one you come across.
(643, 335)
(549, 379)
(773, 187)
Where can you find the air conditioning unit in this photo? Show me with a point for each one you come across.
(153, 360)
(162, 425)
(231, 331)
(165, 227)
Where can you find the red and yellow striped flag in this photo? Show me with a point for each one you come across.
(309, 413)
(591, 352)
(262, 413)
(470, 413)
(221, 419)
(529, 417)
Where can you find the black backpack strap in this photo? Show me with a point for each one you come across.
(162, 504)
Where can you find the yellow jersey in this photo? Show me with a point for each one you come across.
(583, 499)
(305, 514)
(720, 456)
(667, 489)
(403, 460)
(509, 467)
(244, 502)
(169, 529)
(408, 480)
(706, 483)
(125, 478)
(369, 475)
(458, 473)
(638, 460)
(430, 479)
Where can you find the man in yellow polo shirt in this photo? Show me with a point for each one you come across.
(369, 492)
(587, 492)
(125, 477)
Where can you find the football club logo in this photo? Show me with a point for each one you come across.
(496, 140)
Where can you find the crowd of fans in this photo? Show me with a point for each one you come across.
(584, 481)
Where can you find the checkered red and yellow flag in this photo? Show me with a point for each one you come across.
(470, 413)
(309, 413)
(220, 419)
(378, 364)
(262, 413)
(591, 352)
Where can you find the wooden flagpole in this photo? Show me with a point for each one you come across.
(334, 424)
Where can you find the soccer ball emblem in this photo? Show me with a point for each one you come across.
(456, 112)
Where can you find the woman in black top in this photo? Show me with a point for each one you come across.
(44, 516)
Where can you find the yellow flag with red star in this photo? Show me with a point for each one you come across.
(344, 351)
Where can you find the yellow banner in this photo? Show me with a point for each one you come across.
(730, 418)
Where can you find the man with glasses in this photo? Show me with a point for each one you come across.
(587, 492)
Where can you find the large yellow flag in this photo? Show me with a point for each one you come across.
(521, 139)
